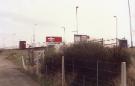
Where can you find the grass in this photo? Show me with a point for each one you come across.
(15, 56)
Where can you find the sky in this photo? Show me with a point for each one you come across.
(20, 18)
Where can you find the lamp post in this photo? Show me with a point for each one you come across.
(77, 19)
(130, 24)
(64, 33)
(34, 37)
(116, 23)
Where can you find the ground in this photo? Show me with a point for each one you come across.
(11, 76)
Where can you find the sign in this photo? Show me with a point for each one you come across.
(22, 44)
(80, 38)
(123, 43)
(52, 40)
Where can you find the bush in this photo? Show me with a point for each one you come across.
(51, 58)
(81, 60)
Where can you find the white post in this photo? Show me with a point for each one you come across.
(63, 72)
(123, 74)
(23, 63)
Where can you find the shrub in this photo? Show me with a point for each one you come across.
(81, 60)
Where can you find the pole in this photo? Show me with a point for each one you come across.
(116, 22)
(23, 63)
(130, 23)
(37, 67)
(123, 74)
(77, 19)
(34, 37)
(102, 41)
(64, 34)
(63, 72)
(97, 72)
(83, 80)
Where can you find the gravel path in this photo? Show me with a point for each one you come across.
(10, 76)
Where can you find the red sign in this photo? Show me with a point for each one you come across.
(54, 39)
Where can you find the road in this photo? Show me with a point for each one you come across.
(10, 76)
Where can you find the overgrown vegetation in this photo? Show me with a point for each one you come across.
(81, 63)
(15, 56)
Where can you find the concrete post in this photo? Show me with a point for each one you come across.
(63, 72)
(23, 63)
(123, 74)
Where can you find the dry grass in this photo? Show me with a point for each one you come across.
(15, 56)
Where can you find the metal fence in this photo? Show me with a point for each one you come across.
(74, 73)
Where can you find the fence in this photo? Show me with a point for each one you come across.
(74, 73)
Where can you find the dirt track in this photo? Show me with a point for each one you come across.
(10, 76)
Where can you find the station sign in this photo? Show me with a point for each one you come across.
(52, 40)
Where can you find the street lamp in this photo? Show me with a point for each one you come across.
(116, 23)
(130, 23)
(77, 19)
(34, 37)
(64, 33)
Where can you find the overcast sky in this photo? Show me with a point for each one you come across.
(95, 17)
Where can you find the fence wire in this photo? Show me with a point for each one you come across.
(77, 73)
